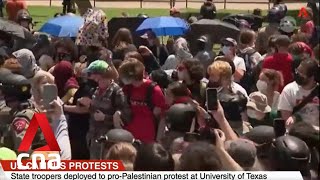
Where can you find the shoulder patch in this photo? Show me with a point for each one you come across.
(19, 124)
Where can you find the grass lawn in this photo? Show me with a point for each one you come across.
(41, 14)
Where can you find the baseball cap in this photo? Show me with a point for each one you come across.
(7, 154)
(97, 66)
(242, 151)
(229, 42)
(288, 24)
(203, 39)
(258, 102)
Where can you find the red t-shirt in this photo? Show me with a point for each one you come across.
(281, 62)
(142, 124)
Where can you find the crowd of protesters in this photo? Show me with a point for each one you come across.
(147, 105)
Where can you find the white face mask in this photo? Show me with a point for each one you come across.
(262, 86)
(126, 81)
(225, 50)
(252, 114)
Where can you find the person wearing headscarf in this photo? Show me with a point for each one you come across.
(182, 53)
(65, 80)
(28, 62)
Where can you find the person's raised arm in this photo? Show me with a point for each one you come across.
(223, 123)
(227, 161)
(60, 128)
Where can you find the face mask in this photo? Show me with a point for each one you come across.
(300, 80)
(214, 84)
(63, 56)
(225, 50)
(262, 86)
(92, 83)
(126, 81)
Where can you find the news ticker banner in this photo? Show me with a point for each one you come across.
(114, 170)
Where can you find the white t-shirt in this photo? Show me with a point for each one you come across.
(239, 63)
(292, 95)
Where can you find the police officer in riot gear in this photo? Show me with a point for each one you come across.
(16, 91)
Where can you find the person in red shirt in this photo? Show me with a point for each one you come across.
(281, 60)
(144, 118)
(12, 8)
(307, 24)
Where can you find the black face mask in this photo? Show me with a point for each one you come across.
(63, 56)
(92, 83)
(300, 80)
(214, 84)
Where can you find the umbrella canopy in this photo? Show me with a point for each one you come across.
(254, 20)
(15, 30)
(164, 26)
(63, 26)
(215, 29)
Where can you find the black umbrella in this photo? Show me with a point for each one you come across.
(15, 30)
(131, 23)
(215, 29)
(254, 20)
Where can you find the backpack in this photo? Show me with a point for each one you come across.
(147, 100)
(247, 80)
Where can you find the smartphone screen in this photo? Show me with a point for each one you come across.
(50, 93)
(212, 101)
(279, 126)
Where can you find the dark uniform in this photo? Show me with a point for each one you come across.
(109, 102)
(16, 90)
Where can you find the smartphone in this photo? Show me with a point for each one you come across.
(50, 93)
(191, 137)
(279, 126)
(212, 99)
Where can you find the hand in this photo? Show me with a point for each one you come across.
(83, 58)
(201, 113)
(220, 138)
(145, 51)
(290, 121)
(85, 101)
(99, 116)
(56, 110)
(117, 121)
(218, 114)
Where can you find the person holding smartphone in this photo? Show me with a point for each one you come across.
(231, 95)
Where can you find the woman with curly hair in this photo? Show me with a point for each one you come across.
(191, 72)
(65, 49)
(122, 43)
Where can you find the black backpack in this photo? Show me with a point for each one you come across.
(247, 80)
(147, 100)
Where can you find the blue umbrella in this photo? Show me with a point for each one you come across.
(63, 26)
(164, 26)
